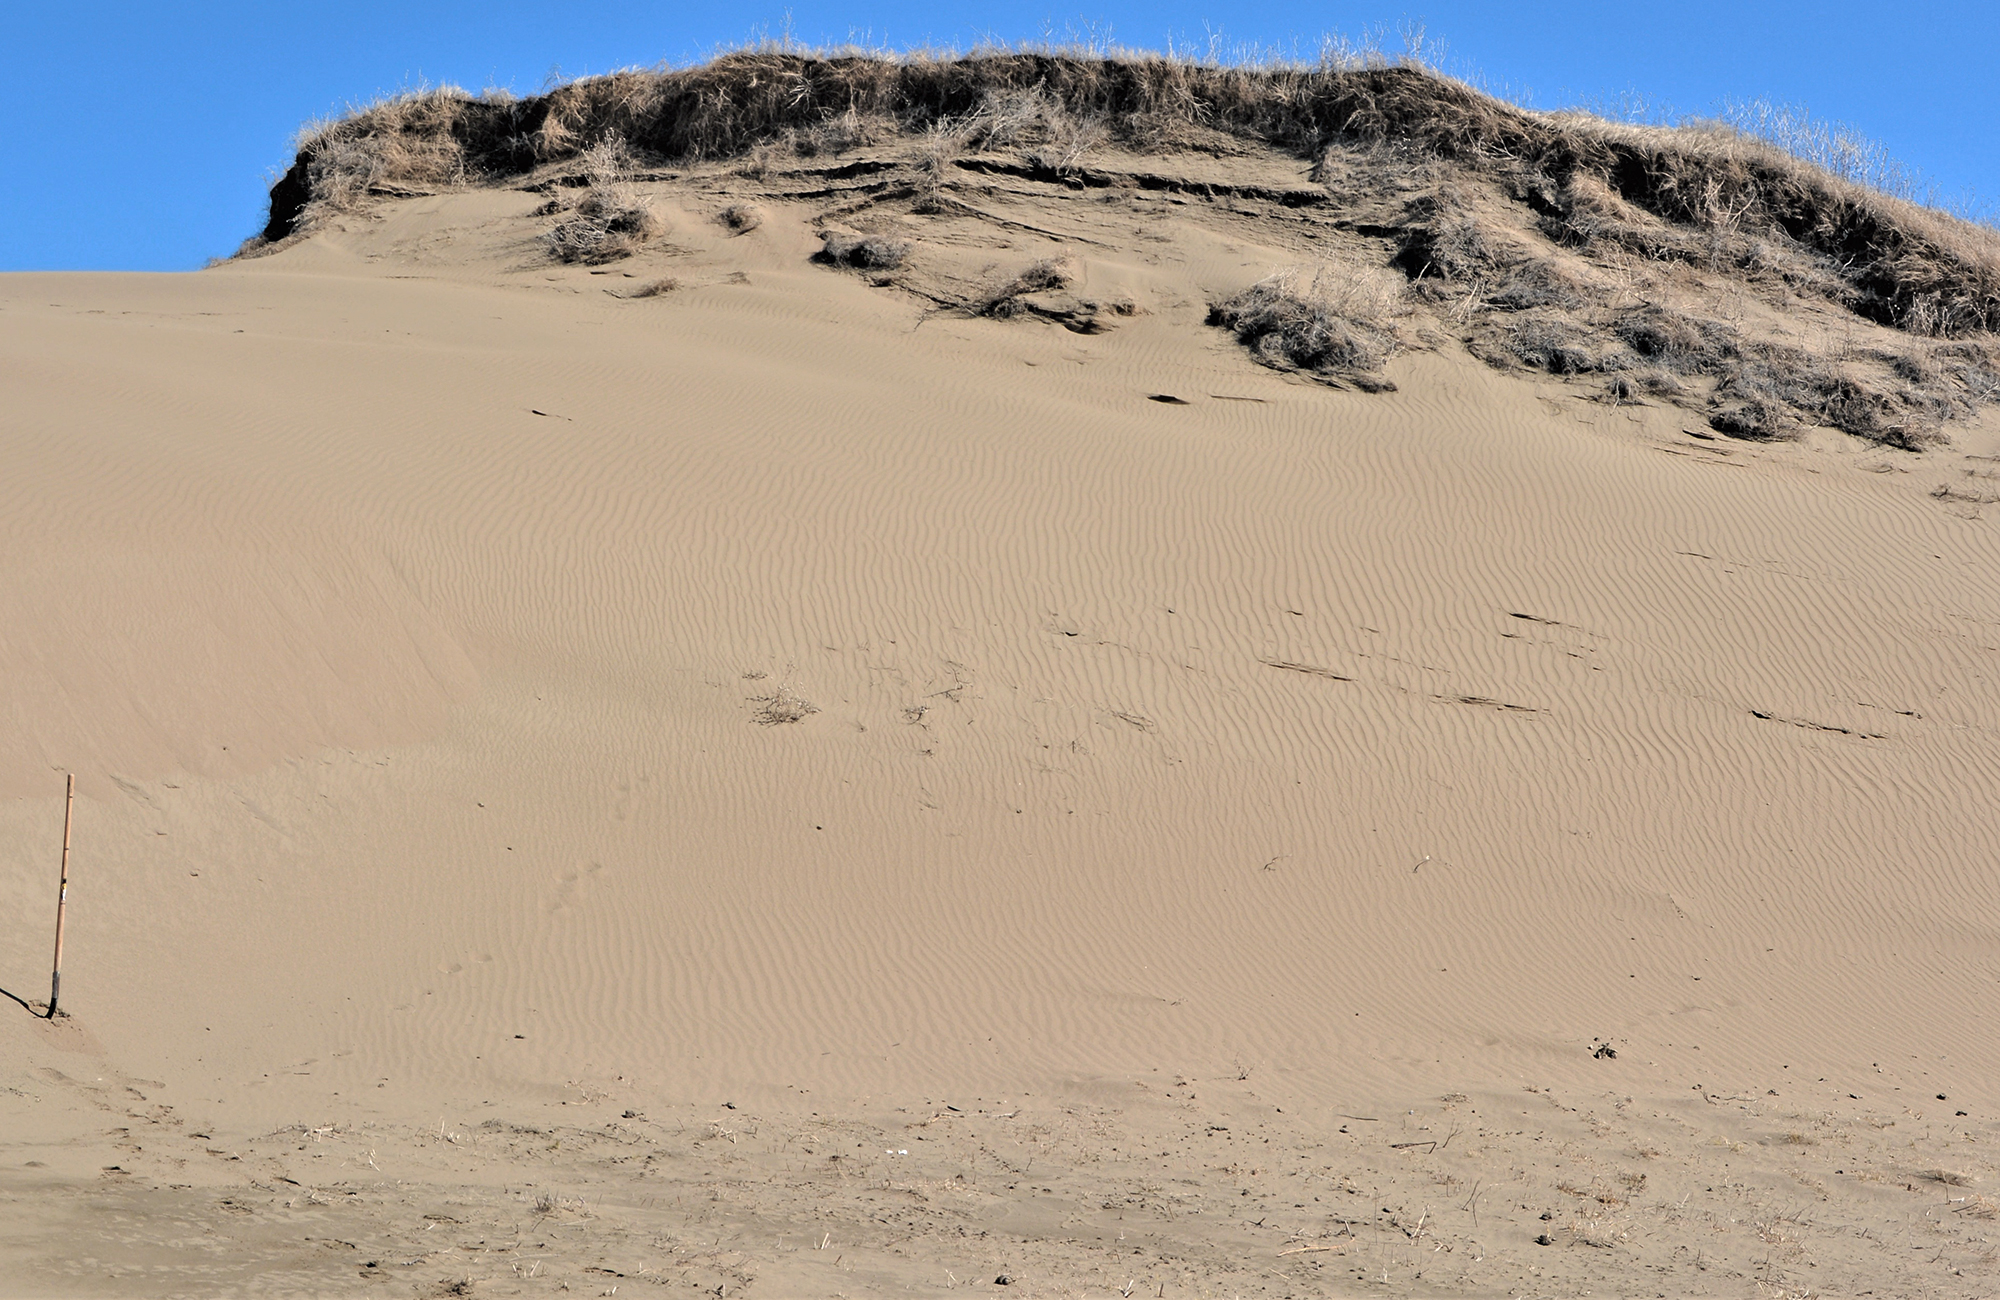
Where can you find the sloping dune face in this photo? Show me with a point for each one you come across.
(494, 688)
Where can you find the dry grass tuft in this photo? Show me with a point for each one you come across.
(861, 252)
(741, 218)
(655, 288)
(780, 707)
(605, 226)
(1337, 326)
(612, 218)
(1043, 276)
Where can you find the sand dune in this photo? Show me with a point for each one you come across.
(493, 696)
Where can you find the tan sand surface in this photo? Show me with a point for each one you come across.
(772, 788)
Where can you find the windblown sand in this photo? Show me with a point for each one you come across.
(771, 788)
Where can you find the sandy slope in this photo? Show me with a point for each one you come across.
(418, 619)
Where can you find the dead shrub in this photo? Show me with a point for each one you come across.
(780, 707)
(1048, 274)
(608, 223)
(611, 219)
(1551, 342)
(1672, 341)
(1444, 237)
(741, 218)
(838, 133)
(1067, 137)
(1338, 324)
(1538, 283)
(861, 252)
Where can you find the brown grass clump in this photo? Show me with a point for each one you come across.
(1336, 326)
(780, 707)
(1040, 277)
(741, 218)
(861, 252)
(604, 227)
(612, 218)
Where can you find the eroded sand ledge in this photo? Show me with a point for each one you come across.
(1203, 809)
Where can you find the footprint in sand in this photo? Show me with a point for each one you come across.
(570, 887)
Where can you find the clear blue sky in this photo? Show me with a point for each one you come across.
(143, 136)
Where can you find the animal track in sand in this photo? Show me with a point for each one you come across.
(570, 886)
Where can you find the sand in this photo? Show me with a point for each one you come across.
(775, 788)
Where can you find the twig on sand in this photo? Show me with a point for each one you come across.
(62, 893)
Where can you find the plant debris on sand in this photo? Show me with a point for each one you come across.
(611, 220)
(1333, 326)
(862, 252)
(1697, 265)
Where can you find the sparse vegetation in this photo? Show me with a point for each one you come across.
(603, 228)
(862, 252)
(611, 220)
(1721, 266)
(741, 218)
(781, 706)
(1337, 325)
(1040, 277)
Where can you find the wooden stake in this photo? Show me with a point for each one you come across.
(62, 895)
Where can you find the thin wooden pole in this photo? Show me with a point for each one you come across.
(62, 895)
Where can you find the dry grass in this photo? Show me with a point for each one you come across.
(1337, 325)
(611, 219)
(1695, 186)
(741, 218)
(1561, 242)
(780, 707)
(861, 252)
(1043, 276)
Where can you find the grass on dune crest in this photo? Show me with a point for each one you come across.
(1527, 231)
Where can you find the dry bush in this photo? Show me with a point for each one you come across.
(780, 707)
(1066, 139)
(861, 252)
(611, 219)
(838, 133)
(1004, 302)
(607, 224)
(1548, 341)
(1337, 325)
(741, 218)
(654, 288)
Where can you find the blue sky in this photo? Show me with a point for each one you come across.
(143, 136)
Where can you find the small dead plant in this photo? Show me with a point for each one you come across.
(1044, 276)
(781, 706)
(612, 218)
(861, 252)
(1338, 325)
(741, 218)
